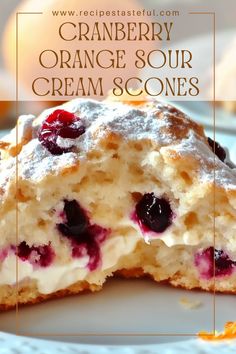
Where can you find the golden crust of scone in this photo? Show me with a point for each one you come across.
(175, 281)
(29, 294)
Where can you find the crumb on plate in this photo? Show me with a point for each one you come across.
(190, 304)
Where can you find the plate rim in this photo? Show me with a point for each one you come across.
(14, 343)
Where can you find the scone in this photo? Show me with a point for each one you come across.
(94, 189)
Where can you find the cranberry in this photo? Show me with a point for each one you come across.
(85, 237)
(205, 260)
(59, 123)
(173, 110)
(87, 245)
(154, 213)
(223, 264)
(94, 256)
(23, 251)
(76, 219)
(217, 149)
(42, 255)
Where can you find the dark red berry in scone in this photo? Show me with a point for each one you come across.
(223, 264)
(219, 151)
(154, 213)
(94, 256)
(205, 259)
(86, 238)
(42, 255)
(87, 243)
(62, 124)
(23, 251)
(76, 220)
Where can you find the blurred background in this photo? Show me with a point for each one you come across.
(196, 33)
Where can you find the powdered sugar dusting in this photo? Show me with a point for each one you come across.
(211, 168)
(153, 122)
(131, 123)
(35, 162)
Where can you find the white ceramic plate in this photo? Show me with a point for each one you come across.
(136, 307)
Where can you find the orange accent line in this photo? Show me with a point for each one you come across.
(201, 13)
(214, 172)
(201, 334)
(17, 169)
(110, 334)
(214, 136)
(29, 13)
(17, 111)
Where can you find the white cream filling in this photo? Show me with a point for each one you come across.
(49, 279)
(56, 276)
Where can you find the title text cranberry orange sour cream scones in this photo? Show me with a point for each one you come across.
(106, 188)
